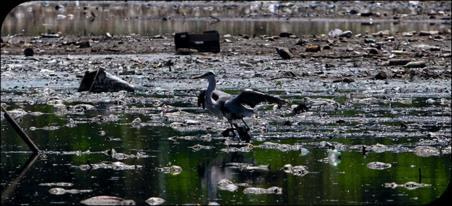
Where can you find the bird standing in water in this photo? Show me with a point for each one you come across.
(232, 107)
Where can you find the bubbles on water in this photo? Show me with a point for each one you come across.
(378, 165)
(155, 201)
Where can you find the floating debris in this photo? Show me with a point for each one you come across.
(113, 166)
(378, 165)
(204, 138)
(247, 167)
(298, 170)
(102, 81)
(107, 200)
(122, 156)
(260, 191)
(198, 147)
(426, 151)
(246, 148)
(227, 185)
(155, 201)
(173, 170)
(136, 123)
(277, 146)
(62, 191)
(57, 184)
(407, 185)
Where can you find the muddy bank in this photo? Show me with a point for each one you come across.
(379, 46)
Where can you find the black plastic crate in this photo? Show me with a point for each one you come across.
(209, 41)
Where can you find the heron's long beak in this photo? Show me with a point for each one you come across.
(198, 77)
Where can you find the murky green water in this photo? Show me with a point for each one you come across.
(344, 179)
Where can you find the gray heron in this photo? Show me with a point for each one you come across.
(232, 107)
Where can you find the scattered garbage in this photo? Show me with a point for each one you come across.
(209, 41)
(102, 81)
(284, 52)
(28, 52)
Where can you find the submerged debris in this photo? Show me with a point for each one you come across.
(155, 201)
(173, 170)
(62, 191)
(107, 200)
(378, 165)
(227, 185)
(260, 191)
(298, 170)
(407, 185)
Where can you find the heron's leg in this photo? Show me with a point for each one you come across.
(232, 128)
(248, 128)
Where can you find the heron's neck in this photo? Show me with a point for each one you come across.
(210, 88)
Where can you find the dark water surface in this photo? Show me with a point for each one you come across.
(343, 181)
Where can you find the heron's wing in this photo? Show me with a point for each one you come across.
(253, 98)
(216, 94)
